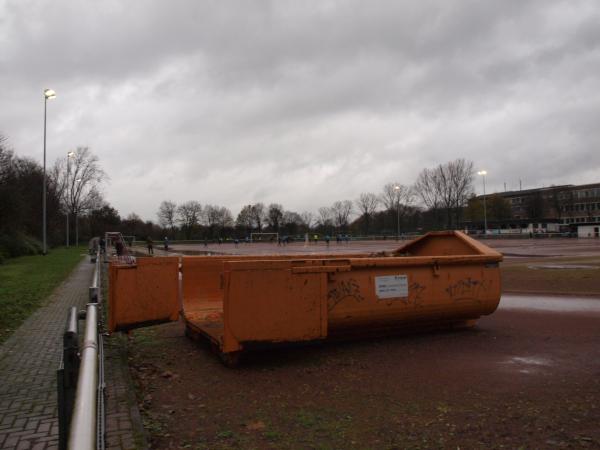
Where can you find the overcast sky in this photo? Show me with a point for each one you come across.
(303, 103)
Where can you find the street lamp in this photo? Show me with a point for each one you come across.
(397, 189)
(49, 94)
(77, 222)
(483, 173)
(69, 156)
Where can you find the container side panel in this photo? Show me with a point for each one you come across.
(144, 294)
(388, 296)
(201, 281)
(274, 305)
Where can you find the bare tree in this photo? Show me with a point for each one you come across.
(367, 203)
(291, 221)
(396, 193)
(78, 178)
(325, 216)
(448, 186)
(428, 188)
(275, 216)
(167, 214)
(397, 198)
(6, 156)
(257, 212)
(244, 218)
(460, 177)
(188, 216)
(341, 213)
(211, 215)
(307, 219)
(224, 218)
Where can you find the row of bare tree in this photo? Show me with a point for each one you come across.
(437, 199)
(444, 190)
(72, 191)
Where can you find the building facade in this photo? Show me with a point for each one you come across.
(554, 208)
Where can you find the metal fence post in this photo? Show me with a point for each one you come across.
(66, 376)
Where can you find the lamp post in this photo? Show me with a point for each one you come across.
(49, 94)
(483, 173)
(69, 156)
(397, 189)
(77, 221)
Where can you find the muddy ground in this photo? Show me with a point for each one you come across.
(520, 379)
(552, 275)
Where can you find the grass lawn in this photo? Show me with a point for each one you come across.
(25, 282)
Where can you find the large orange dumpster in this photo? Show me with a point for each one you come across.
(440, 279)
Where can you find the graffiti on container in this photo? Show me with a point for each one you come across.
(344, 289)
(467, 289)
(414, 295)
(415, 290)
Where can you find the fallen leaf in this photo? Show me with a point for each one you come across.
(258, 425)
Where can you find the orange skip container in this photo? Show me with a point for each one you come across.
(440, 279)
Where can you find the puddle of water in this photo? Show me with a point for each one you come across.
(562, 266)
(530, 361)
(527, 364)
(550, 304)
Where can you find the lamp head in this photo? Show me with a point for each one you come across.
(49, 94)
(482, 172)
(396, 188)
(71, 154)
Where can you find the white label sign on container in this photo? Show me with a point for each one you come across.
(391, 286)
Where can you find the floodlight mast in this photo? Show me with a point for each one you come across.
(49, 94)
(69, 156)
(397, 189)
(483, 173)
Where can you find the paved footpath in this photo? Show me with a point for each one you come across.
(28, 363)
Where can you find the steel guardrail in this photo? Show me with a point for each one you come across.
(83, 431)
(81, 386)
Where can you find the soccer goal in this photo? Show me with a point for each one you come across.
(264, 237)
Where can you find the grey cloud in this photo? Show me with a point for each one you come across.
(233, 102)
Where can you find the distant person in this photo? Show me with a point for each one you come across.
(102, 245)
(327, 240)
(150, 245)
(166, 243)
(236, 242)
(93, 246)
(119, 248)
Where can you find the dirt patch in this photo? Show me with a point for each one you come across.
(518, 379)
